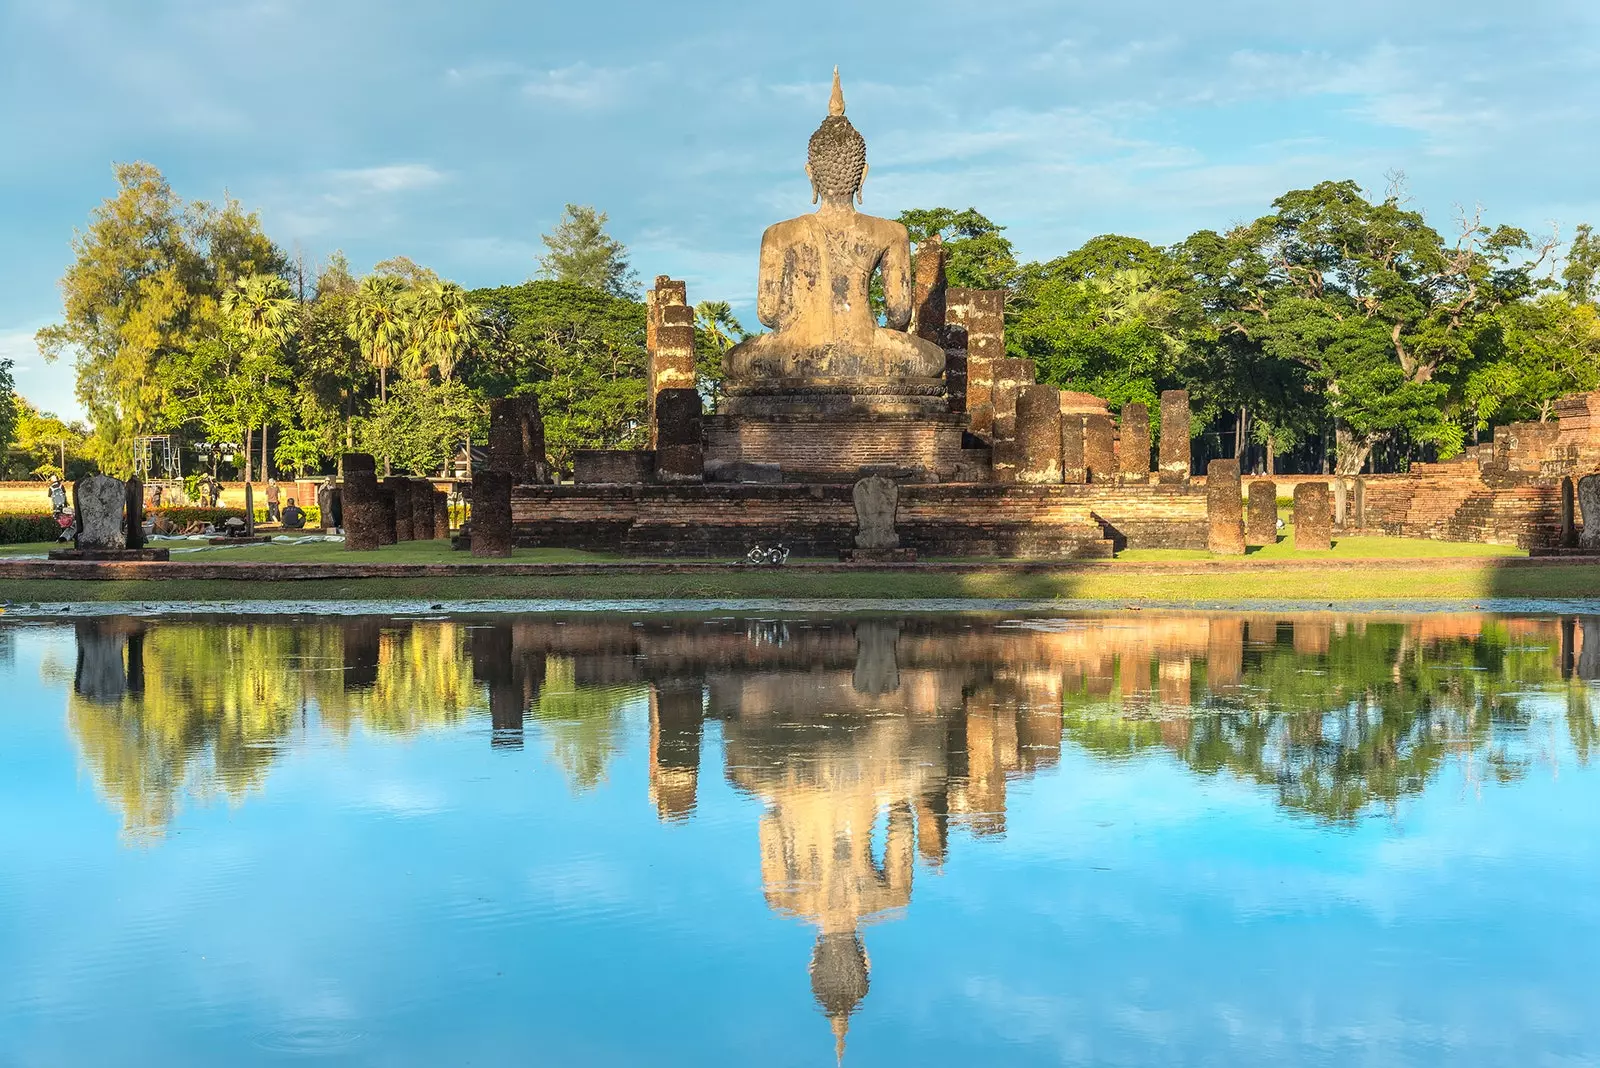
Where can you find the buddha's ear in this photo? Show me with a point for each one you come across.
(861, 183)
(812, 178)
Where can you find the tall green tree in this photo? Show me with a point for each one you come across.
(259, 310)
(379, 323)
(445, 326)
(716, 330)
(978, 255)
(580, 251)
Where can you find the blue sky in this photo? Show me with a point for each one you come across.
(454, 133)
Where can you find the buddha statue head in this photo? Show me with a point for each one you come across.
(836, 158)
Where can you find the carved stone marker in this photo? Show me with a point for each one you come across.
(1224, 508)
(1073, 468)
(1039, 434)
(1589, 507)
(1174, 436)
(491, 513)
(1099, 448)
(1133, 447)
(421, 510)
(100, 503)
(400, 488)
(1313, 516)
(362, 512)
(1261, 515)
(680, 441)
(876, 499)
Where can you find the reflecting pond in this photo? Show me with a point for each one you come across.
(1138, 837)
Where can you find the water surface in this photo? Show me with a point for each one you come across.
(1141, 837)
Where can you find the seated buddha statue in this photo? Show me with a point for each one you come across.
(815, 275)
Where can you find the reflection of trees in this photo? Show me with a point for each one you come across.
(581, 724)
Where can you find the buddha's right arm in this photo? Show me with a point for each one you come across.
(769, 281)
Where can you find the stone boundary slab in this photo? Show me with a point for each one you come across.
(289, 572)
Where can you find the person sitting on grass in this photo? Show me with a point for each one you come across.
(294, 517)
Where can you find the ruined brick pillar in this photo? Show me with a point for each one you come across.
(680, 443)
(1224, 508)
(516, 438)
(1133, 443)
(664, 352)
(1099, 448)
(441, 515)
(1313, 516)
(954, 342)
(928, 291)
(386, 513)
(491, 513)
(361, 512)
(983, 313)
(400, 488)
(421, 510)
(1038, 434)
(1569, 518)
(1010, 375)
(1174, 436)
(1261, 516)
(1073, 469)
(1003, 460)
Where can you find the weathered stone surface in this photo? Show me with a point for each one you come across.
(399, 488)
(1261, 517)
(876, 499)
(1010, 375)
(1224, 508)
(421, 510)
(1003, 459)
(516, 438)
(386, 512)
(1569, 518)
(680, 436)
(1589, 507)
(249, 510)
(1313, 516)
(1341, 500)
(1174, 436)
(325, 492)
(100, 504)
(133, 513)
(604, 466)
(928, 291)
(1133, 443)
(441, 515)
(744, 471)
(362, 513)
(812, 292)
(1073, 467)
(1099, 448)
(1038, 434)
(954, 341)
(491, 513)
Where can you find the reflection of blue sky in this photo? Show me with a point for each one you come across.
(430, 900)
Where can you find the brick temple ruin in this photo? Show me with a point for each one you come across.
(988, 461)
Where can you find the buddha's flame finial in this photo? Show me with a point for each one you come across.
(836, 101)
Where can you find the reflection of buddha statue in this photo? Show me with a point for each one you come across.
(816, 271)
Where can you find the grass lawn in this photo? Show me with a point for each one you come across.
(1348, 547)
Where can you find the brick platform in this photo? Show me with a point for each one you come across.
(835, 448)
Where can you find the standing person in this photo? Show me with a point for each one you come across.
(58, 508)
(272, 500)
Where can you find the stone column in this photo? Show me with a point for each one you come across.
(1133, 448)
(1039, 434)
(674, 363)
(1073, 468)
(928, 291)
(680, 443)
(1099, 448)
(1313, 516)
(1224, 508)
(1341, 501)
(1589, 507)
(1003, 459)
(249, 510)
(491, 513)
(361, 511)
(505, 434)
(386, 534)
(1569, 519)
(1174, 436)
(133, 513)
(1010, 375)
(1261, 518)
(441, 515)
(954, 341)
(667, 293)
(421, 510)
(401, 488)
(982, 312)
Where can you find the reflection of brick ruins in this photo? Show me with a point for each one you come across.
(929, 396)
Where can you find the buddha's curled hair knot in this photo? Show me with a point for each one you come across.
(838, 157)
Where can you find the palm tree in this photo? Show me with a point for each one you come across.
(445, 325)
(260, 310)
(380, 325)
(716, 331)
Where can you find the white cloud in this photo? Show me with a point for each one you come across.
(583, 86)
(387, 178)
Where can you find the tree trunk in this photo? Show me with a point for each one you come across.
(1239, 435)
(266, 472)
(1272, 456)
(248, 438)
(1350, 455)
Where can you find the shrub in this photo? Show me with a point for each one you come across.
(313, 514)
(181, 516)
(18, 528)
